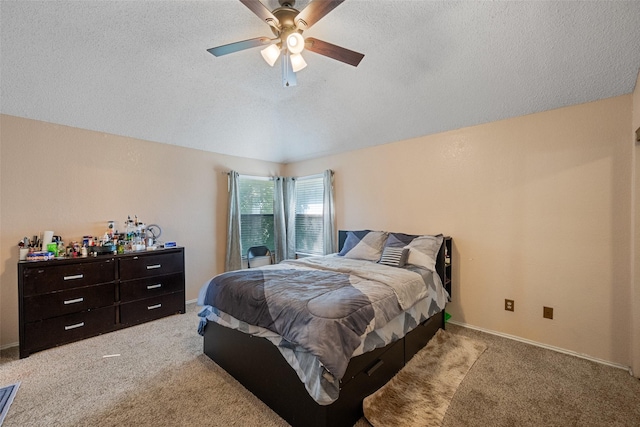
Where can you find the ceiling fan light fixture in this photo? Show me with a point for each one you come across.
(287, 25)
(297, 62)
(295, 43)
(271, 54)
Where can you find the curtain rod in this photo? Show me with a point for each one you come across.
(228, 173)
(317, 175)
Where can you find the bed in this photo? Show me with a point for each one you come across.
(373, 316)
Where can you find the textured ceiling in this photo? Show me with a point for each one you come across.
(141, 69)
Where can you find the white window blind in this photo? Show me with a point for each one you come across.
(309, 207)
(256, 212)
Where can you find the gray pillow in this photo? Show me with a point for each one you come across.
(364, 244)
(395, 257)
(399, 240)
(423, 251)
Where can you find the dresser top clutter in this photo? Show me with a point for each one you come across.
(137, 236)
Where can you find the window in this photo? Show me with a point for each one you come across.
(256, 197)
(309, 208)
(256, 213)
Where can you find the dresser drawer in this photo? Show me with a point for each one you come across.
(55, 304)
(141, 266)
(132, 290)
(42, 279)
(144, 310)
(64, 329)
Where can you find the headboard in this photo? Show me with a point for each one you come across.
(342, 236)
(440, 260)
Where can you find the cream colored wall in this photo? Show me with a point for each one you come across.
(539, 208)
(73, 181)
(635, 339)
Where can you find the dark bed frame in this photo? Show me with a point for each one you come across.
(258, 365)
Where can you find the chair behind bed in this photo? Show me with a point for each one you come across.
(258, 256)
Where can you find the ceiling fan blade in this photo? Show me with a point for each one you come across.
(332, 51)
(314, 11)
(263, 13)
(288, 75)
(235, 47)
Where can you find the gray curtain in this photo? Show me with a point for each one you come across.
(233, 260)
(284, 205)
(290, 215)
(328, 214)
(279, 227)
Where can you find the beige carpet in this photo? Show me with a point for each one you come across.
(419, 395)
(160, 378)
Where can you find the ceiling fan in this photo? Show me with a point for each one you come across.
(287, 23)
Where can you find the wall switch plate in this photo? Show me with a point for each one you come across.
(547, 312)
(509, 305)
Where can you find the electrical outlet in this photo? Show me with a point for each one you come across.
(509, 305)
(547, 312)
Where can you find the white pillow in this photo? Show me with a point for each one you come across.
(423, 251)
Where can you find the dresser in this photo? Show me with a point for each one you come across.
(61, 301)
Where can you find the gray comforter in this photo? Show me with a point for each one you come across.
(325, 305)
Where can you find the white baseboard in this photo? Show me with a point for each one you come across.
(6, 346)
(547, 346)
(191, 301)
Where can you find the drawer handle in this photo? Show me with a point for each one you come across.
(375, 367)
(151, 267)
(153, 307)
(73, 301)
(77, 276)
(159, 285)
(77, 325)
